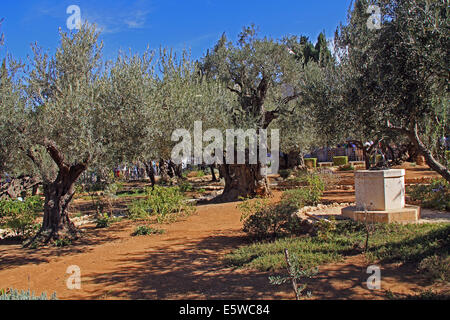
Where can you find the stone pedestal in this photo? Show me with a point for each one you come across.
(380, 197)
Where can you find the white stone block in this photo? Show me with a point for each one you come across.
(380, 190)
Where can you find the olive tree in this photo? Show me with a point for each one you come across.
(398, 73)
(183, 96)
(265, 75)
(71, 113)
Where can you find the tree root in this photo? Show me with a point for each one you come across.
(51, 235)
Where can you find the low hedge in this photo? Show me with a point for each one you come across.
(311, 162)
(340, 161)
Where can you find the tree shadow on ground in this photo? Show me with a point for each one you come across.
(192, 271)
(197, 271)
(13, 254)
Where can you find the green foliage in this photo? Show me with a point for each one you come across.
(249, 207)
(393, 80)
(272, 221)
(299, 198)
(63, 242)
(200, 173)
(313, 186)
(146, 230)
(422, 295)
(325, 228)
(436, 267)
(185, 186)
(13, 294)
(295, 274)
(20, 216)
(165, 204)
(390, 243)
(340, 161)
(436, 195)
(285, 173)
(311, 162)
(103, 221)
(265, 220)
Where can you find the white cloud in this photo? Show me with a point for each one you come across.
(112, 17)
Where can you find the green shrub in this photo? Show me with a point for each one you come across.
(390, 243)
(13, 294)
(340, 161)
(146, 230)
(165, 204)
(264, 220)
(103, 221)
(285, 173)
(311, 162)
(447, 156)
(422, 295)
(20, 216)
(436, 195)
(436, 267)
(301, 197)
(272, 221)
(185, 186)
(64, 242)
(313, 186)
(199, 173)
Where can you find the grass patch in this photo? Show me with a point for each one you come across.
(163, 204)
(146, 231)
(388, 243)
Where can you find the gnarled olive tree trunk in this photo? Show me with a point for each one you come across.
(58, 195)
(150, 172)
(19, 187)
(413, 135)
(243, 180)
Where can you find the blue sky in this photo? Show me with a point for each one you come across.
(194, 24)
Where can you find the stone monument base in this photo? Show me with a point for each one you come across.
(408, 214)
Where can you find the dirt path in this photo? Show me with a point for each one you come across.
(184, 263)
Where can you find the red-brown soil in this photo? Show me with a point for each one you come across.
(184, 263)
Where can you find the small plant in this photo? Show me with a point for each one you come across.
(264, 220)
(436, 267)
(20, 216)
(295, 274)
(201, 191)
(165, 204)
(436, 195)
(308, 195)
(13, 294)
(64, 242)
(103, 221)
(146, 230)
(285, 173)
(422, 295)
(200, 173)
(325, 228)
(185, 186)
